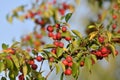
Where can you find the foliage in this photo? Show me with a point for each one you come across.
(68, 50)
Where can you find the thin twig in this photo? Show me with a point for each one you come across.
(41, 66)
(49, 73)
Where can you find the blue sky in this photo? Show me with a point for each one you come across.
(9, 31)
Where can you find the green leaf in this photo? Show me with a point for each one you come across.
(75, 69)
(79, 55)
(88, 63)
(112, 49)
(10, 64)
(4, 46)
(61, 77)
(94, 47)
(14, 44)
(16, 61)
(11, 75)
(49, 46)
(25, 69)
(77, 33)
(62, 17)
(65, 34)
(94, 57)
(59, 52)
(57, 68)
(3, 78)
(63, 66)
(2, 66)
(109, 35)
(68, 16)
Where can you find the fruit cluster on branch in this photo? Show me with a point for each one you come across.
(68, 49)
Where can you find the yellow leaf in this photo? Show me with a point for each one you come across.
(10, 19)
(92, 35)
(109, 35)
(104, 15)
(77, 2)
(21, 18)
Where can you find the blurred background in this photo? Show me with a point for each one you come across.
(103, 70)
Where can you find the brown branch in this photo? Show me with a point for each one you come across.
(116, 40)
(49, 73)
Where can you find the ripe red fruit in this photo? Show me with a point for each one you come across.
(98, 53)
(104, 50)
(9, 57)
(54, 37)
(114, 16)
(67, 38)
(61, 44)
(51, 59)
(82, 63)
(56, 43)
(65, 62)
(37, 43)
(34, 66)
(114, 26)
(101, 39)
(50, 28)
(68, 72)
(31, 62)
(65, 6)
(69, 59)
(105, 55)
(39, 58)
(116, 52)
(62, 11)
(21, 77)
(11, 51)
(58, 36)
(38, 36)
(118, 31)
(57, 25)
(64, 29)
(70, 64)
(50, 34)
(93, 61)
(53, 50)
(42, 22)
